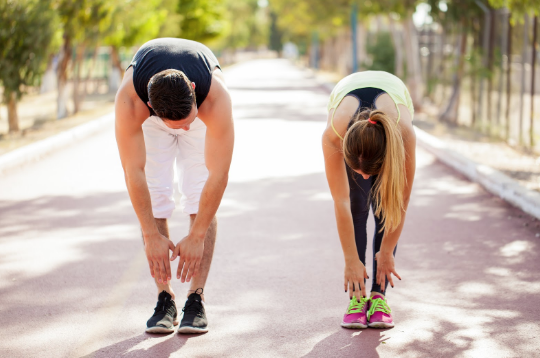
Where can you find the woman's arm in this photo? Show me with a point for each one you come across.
(336, 174)
(385, 257)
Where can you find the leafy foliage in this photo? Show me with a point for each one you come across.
(250, 32)
(517, 7)
(85, 20)
(201, 20)
(382, 52)
(27, 31)
(134, 22)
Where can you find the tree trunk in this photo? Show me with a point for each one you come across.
(90, 71)
(476, 48)
(412, 53)
(450, 114)
(504, 44)
(474, 97)
(77, 98)
(533, 66)
(442, 58)
(485, 59)
(524, 56)
(398, 47)
(490, 56)
(361, 44)
(115, 57)
(508, 78)
(48, 80)
(65, 59)
(117, 72)
(431, 61)
(13, 117)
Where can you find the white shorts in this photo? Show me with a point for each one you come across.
(165, 145)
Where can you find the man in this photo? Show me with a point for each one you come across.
(173, 105)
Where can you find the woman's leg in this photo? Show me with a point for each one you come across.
(377, 240)
(379, 313)
(359, 195)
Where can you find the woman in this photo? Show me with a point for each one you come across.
(369, 150)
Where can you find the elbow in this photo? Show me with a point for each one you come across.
(406, 200)
(221, 178)
(225, 179)
(342, 204)
(131, 172)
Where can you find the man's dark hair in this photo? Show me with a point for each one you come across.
(171, 95)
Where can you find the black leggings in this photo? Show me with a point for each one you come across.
(360, 190)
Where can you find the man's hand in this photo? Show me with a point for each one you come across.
(385, 269)
(355, 272)
(157, 252)
(190, 249)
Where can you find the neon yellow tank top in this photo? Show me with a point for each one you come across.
(376, 79)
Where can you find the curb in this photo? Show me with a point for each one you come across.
(491, 179)
(37, 150)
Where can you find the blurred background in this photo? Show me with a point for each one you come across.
(469, 64)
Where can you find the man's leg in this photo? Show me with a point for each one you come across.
(199, 281)
(192, 176)
(165, 315)
(161, 147)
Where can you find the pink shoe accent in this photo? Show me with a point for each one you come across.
(379, 313)
(356, 314)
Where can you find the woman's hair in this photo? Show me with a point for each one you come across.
(373, 145)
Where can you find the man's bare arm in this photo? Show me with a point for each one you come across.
(130, 113)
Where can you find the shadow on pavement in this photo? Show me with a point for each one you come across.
(357, 343)
(470, 273)
(135, 347)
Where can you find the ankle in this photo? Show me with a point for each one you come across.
(375, 293)
(198, 291)
(168, 290)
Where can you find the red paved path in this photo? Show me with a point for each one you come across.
(74, 281)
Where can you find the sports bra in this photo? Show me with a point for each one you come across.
(385, 81)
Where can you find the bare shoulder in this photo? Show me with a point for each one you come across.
(129, 108)
(405, 123)
(127, 89)
(217, 103)
(218, 88)
(341, 118)
(407, 133)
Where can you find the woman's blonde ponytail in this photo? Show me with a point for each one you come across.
(373, 145)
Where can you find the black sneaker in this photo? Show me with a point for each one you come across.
(194, 320)
(165, 315)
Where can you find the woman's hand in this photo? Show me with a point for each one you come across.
(385, 269)
(355, 272)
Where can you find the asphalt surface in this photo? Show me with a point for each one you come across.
(74, 280)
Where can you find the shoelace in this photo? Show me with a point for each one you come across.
(194, 306)
(164, 306)
(355, 306)
(378, 305)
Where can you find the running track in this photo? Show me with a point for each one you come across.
(74, 281)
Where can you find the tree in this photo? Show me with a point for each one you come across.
(251, 32)
(27, 30)
(133, 23)
(448, 17)
(275, 40)
(201, 20)
(82, 22)
(520, 10)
